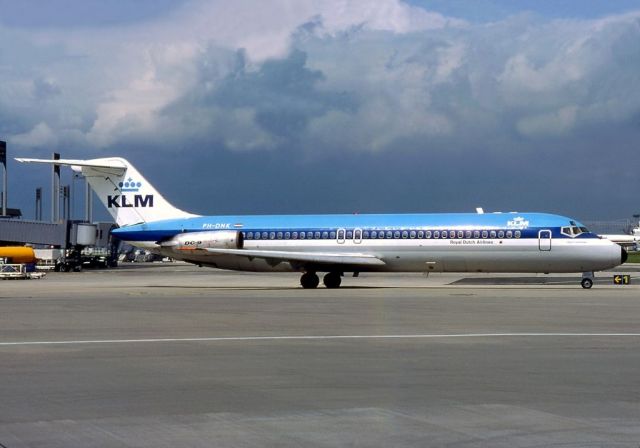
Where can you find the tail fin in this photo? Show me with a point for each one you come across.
(122, 189)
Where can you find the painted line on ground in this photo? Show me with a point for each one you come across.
(315, 337)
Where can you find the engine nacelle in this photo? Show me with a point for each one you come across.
(216, 239)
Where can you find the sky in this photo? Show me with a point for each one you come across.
(333, 106)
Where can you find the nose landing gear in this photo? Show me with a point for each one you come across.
(587, 280)
(586, 283)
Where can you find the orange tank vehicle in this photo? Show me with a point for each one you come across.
(18, 254)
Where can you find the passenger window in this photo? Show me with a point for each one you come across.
(309, 235)
(485, 234)
(332, 235)
(349, 234)
(287, 235)
(294, 235)
(509, 234)
(467, 234)
(421, 234)
(316, 235)
(518, 234)
(436, 234)
(452, 234)
(265, 235)
(460, 234)
(280, 234)
(325, 235)
(501, 234)
(405, 235)
(412, 234)
(389, 234)
(302, 235)
(427, 234)
(476, 234)
(493, 234)
(272, 235)
(341, 234)
(374, 235)
(443, 234)
(249, 235)
(396, 234)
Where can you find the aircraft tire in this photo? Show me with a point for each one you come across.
(309, 280)
(586, 283)
(332, 280)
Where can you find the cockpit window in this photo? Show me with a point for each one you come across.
(573, 230)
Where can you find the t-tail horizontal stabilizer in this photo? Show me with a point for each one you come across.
(122, 189)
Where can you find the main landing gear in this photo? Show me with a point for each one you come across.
(332, 280)
(310, 280)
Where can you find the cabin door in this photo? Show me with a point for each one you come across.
(544, 240)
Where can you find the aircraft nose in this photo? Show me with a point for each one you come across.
(624, 255)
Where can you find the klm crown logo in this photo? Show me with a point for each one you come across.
(129, 186)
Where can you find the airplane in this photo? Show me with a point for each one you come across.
(627, 241)
(339, 244)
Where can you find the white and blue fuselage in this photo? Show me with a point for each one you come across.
(460, 242)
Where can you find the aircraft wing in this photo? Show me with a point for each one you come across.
(305, 257)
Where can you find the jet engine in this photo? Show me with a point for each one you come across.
(218, 239)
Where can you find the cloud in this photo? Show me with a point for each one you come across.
(40, 136)
(336, 73)
(124, 77)
(322, 81)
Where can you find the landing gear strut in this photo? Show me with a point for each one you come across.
(587, 280)
(309, 280)
(332, 280)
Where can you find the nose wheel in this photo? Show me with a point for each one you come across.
(587, 280)
(309, 280)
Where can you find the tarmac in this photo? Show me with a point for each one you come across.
(172, 355)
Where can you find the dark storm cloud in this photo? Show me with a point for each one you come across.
(282, 94)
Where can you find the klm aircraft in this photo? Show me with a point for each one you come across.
(339, 244)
